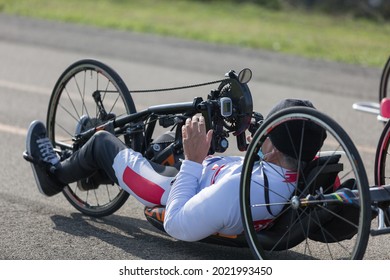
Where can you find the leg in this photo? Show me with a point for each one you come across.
(97, 154)
(146, 181)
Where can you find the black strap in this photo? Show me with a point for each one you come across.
(266, 194)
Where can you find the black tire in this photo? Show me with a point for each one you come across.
(384, 88)
(317, 230)
(382, 156)
(382, 177)
(70, 100)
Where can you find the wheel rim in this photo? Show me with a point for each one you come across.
(72, 99)
(316, 239)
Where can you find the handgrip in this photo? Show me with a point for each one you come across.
(241, 142)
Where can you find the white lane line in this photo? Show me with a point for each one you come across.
(25, 87)
(13, 129)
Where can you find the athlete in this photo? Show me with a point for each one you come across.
(202, 197)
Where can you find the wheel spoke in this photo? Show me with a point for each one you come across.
(72, 100)
(310, 225)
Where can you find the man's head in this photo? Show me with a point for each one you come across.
(294, 136)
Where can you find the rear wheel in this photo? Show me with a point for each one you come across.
(306, 226)
(382, 165)
(382, 157)
(72, 108)
(384, 83)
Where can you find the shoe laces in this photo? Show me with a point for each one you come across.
(47, 151)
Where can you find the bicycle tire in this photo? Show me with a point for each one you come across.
(383, 87)
(70, 100)
(381, 165)
(381, 156)
(305, 246)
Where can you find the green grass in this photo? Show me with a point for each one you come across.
(295, 32)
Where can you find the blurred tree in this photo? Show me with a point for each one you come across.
(371, 9)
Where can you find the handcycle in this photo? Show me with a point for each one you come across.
(381, 110)
(381, 163)
(332, 191)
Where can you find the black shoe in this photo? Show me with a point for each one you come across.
(43, 159)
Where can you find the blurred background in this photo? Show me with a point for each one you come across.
(331, 52)
(349, 31)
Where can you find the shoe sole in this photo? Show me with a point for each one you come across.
(33, 166)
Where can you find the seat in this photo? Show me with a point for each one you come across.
(290, 227)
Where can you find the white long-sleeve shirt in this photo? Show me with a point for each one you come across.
(204, 198)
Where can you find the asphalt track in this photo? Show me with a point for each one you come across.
(34, 53)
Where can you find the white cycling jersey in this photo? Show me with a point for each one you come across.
(203, 199)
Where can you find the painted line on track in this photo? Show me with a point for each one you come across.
(13, 130)
(25, 88)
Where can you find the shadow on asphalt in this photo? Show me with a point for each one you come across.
(141, 240)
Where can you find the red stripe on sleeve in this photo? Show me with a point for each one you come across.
(142, 187)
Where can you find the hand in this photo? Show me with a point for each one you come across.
(196, 142)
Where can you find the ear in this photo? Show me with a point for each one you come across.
(272, 155)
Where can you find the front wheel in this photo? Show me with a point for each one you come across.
(303, 224)
(73, 109)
